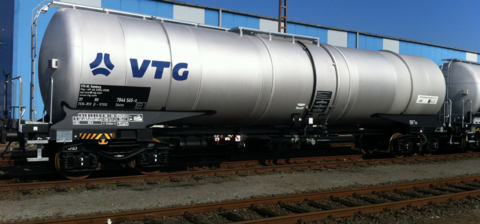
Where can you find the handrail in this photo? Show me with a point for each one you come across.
(460, 60)
(445, 105)
(20, 113)
(60, 5)
(41, 8)
(241, 30)
(463, 112)
(14, 99)
(450, 113)
(51, 100)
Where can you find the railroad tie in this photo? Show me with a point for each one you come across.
(413, 195)
(371, 200)
(447, 190)
(466, 188)
(344, 202)
(473, 184)
(232, 217)
(294, 209)
(194, 220)
(430, 192)
(266, 212)
(153, 217)
(392, 198)
(318, 205)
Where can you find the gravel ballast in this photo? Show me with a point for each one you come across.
(80, 201)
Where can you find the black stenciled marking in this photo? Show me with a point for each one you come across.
(93, 96)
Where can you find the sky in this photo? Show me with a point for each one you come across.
(442, 22)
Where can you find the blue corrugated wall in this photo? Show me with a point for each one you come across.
(154, 8)
(308, 31)
(231, 20)
(436, 54)
(352, 40)
(370, 43)
(6, 46)
(211, 17)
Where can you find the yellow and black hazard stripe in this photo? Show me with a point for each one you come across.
(97, 136)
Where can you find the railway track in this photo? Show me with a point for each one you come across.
(307, 207)
(232, 168)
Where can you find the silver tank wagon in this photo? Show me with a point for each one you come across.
(463, 84)
(108, 61)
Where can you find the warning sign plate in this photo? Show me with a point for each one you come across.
(424, 99)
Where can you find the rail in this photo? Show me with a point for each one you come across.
(354, 202)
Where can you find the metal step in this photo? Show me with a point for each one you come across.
(37, 142)
(39, 157)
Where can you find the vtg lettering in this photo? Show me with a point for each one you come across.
(160, 66)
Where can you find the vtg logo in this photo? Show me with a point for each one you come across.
(140, 72)
(160, 66)
(98, 61)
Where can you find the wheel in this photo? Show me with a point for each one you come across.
(145, 170)
(69, 175)
(424, 151)
(392, 146)
(156, 140)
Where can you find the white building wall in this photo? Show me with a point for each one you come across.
(471, 57)
(96, 3)
(391, 45)
(337, 38)
(268, 25)
(189, 14)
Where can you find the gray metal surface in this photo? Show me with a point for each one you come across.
(268, 25)
(464, 85)
(337, 38)
(246, 79)
(427, 80)
(96, 3)
(391, 45)
(367, 87)
(293, 81)
(140, 45)
(64, 135)
(471, 57)
(365, 82)
(187, 13)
